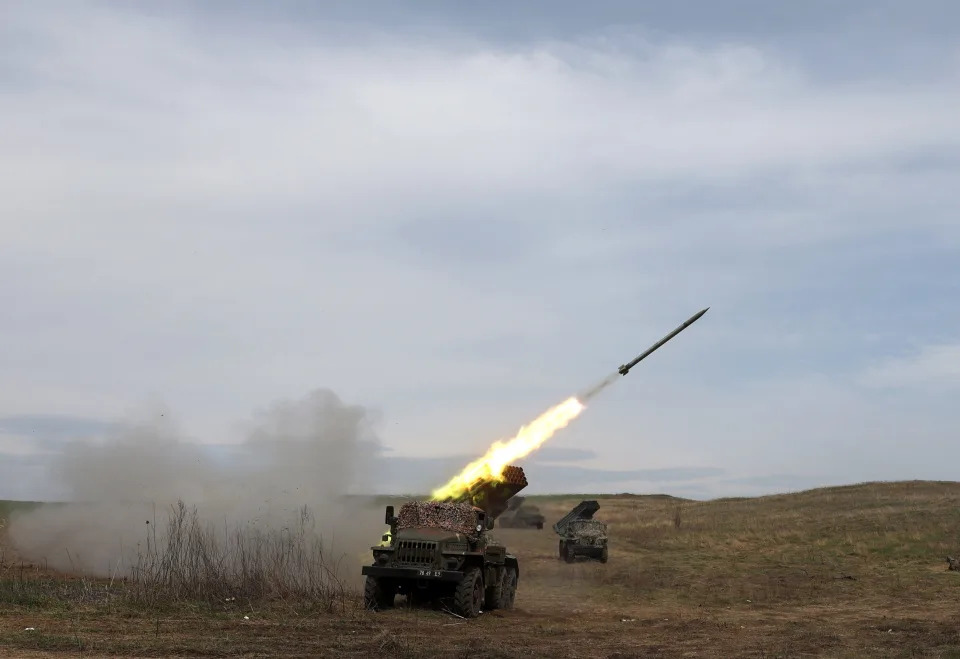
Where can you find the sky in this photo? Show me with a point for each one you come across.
(457, 216)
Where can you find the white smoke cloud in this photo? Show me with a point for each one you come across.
(308, 452)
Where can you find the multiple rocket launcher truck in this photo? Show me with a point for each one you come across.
(520, 515)
(443, 549)
(581, 534)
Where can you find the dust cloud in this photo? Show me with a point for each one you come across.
(309, 452)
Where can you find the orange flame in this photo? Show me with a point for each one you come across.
(528, 439)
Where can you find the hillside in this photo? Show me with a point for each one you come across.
(844, 571)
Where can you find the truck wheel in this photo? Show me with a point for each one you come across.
(494, 592)
(540, 526)
(603, 555)
(469, 594)
(509, 592)
(378, 595)
(569, 555)
(563, 551)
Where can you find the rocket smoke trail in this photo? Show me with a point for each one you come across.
(533, 435)
(597, 388)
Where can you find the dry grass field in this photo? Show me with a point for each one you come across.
(856, 571)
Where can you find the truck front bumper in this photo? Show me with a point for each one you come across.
(411, 573)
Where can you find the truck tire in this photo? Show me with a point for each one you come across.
(603, 555)
(469, 594)
(563, 550)
(509, 590)
(494, 592)
(569, 555)
(378, 595)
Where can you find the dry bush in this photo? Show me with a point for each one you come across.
(193, 561)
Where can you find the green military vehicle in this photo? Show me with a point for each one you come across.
(581, 535)
(521, 515)
(440, 550)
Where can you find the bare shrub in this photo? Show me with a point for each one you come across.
(193, 561)
(677, 517)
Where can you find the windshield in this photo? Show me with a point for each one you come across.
(455, 517)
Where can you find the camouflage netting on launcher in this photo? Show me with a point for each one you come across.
(455, 517)
(587, 528)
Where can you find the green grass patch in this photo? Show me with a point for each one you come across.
(7, 508)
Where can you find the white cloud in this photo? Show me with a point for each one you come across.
(162, 119)
(15, 445)
(218, 218)
(930, 366)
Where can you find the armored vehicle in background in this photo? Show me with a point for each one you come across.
(443, 549)
(520, 515)
(581, 535)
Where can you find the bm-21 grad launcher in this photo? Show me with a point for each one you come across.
(521, 515)
(442, 549)
(581, 534)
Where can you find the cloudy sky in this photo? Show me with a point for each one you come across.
(457, 216)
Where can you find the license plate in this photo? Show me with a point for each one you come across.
(429, 573)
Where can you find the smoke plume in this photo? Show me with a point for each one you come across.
(595, 390)
(308, 452)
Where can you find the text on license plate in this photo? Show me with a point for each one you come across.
(429, 573)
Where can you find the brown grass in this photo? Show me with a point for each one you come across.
(195, 562)
(842, 572)
(875, 541)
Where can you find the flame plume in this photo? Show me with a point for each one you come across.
(528, 439)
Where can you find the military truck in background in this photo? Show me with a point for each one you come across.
(519, 515)
(581, 535)
(443, 549)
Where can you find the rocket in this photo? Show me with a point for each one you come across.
(625, 368)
